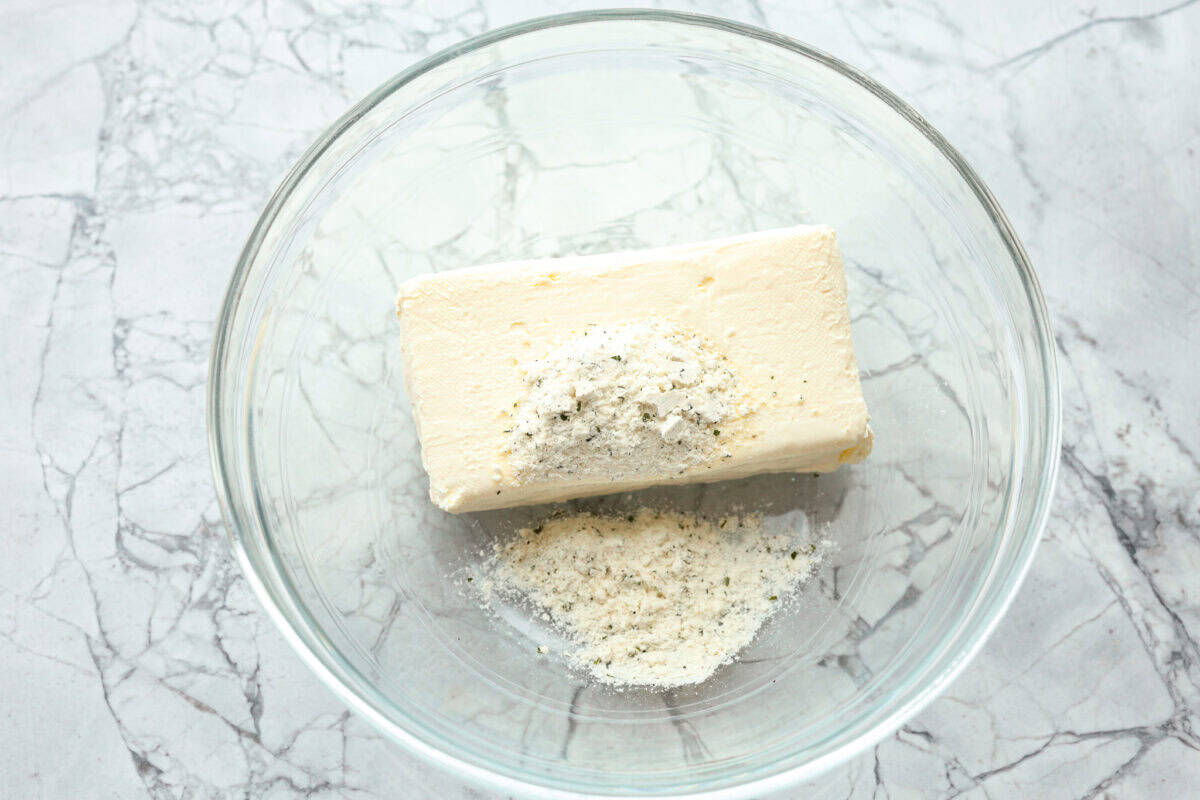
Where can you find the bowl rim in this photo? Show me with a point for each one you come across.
(767, 780)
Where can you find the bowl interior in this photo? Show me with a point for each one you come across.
(605, 135)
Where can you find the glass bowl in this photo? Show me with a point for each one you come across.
(608, 131)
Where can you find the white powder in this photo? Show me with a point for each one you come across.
(639, 398)
(658, 599)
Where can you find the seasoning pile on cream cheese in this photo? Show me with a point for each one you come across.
(652, 598)
(639, 398)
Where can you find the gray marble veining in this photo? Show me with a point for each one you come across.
(141, 139)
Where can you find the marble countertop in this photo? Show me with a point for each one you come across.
(140, 140)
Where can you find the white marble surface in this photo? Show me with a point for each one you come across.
(140, 139)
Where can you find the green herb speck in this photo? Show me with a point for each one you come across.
(793, 555)
(716, 432)
(773, 597)
(615, 358)
(726, 580)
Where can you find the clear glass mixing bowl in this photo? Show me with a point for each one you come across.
(607, 131)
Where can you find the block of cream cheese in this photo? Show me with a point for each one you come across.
(769, 307)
